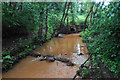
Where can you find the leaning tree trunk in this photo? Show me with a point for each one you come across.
(64, 11)
(67, 12)
(63, 14)
(46, 24)
(88, 15)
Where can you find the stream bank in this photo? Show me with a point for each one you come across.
(68, 47)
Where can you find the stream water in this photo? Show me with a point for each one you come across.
(69, 47)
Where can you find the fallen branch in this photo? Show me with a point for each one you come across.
(80, 70)
(86, 61)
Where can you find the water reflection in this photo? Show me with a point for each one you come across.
(69, 47)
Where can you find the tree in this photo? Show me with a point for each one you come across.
(41, 24)
(46, 29)
(91, 9)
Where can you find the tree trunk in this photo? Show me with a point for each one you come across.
(21, 6)
(72, 14)
(40, 31)
(88, 15)
(91, 16)
(67, 20)
(46, 24)
(10, 4)
(11, 7)
(63, 14)
(67, 11)
(40, 26)
(64, 11)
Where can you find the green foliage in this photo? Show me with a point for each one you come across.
(85, 71)
(9, 60)
(103, 36)
(14, 16)
(27, 17)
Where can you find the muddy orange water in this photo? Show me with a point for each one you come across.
(69, 47)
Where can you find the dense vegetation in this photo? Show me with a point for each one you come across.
(34, 23)
(102, 36)
(99, 24)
